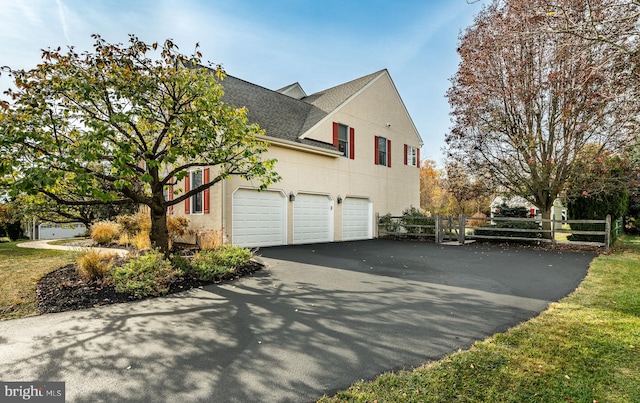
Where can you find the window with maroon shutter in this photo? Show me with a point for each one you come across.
(382, 148)
(169, 197)
(376, 151)
(411, 155)
(343, 139)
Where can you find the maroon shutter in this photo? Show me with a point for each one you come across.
(418, 158)
(205, 197)
(389, 153)
(187, 202)
(406, 159)
(170, 198)
(375, 150)
(352, 143)
(335, 134)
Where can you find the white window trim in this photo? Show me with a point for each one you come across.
(412, 156)
(192, 200)
(386, 155)
(348, 147)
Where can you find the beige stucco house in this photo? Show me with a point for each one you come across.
(344, 154)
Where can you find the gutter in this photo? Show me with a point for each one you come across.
(302, 147)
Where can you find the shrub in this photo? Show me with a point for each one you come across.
(177, 227)
(181, 264)
(233, 256)
(596, 207)
(104, 232)
(148, 275)
(14, 230)
(93, 265)
(477, 223)
(413, 220)
(131, 224)
(214, 265)
(387, 224)
(210, 240)
(511, 212)
(494, 230)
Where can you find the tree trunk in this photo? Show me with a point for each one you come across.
(546, 224)
(159, 235)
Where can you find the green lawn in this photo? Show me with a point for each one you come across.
(20, 269)
(585, 348)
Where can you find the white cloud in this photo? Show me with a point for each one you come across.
(63, 20)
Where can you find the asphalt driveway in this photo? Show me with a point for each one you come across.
(318, 319)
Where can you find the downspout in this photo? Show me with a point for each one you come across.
(224, 210)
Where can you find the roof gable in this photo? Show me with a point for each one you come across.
(285, 116)
(293, 90)
(331, 99)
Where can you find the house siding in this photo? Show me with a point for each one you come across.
(376, 110)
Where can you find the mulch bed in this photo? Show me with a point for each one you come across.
(64, 290)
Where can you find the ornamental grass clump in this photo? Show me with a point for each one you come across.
(94, 265)
(148, 275)
(105, 232)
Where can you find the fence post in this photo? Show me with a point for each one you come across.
(461, 226)
(553, 229)
(607, 235)
(438, 224)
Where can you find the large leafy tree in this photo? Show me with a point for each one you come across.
(612, 23)
(117, 125)
(433, 194)
(469, 192)
(526, 102)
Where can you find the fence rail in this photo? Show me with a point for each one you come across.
(461, 229)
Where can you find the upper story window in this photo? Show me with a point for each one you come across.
(382, 151)
(411, 155)
(344, 139)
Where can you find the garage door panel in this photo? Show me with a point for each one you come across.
(259, 218)
(312, 219)
(356, 219)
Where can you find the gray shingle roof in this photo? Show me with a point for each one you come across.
(288, 118)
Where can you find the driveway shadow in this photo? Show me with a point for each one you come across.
(290, 333)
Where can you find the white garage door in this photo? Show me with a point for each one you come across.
(259, 218)
(312, 218)
(356, 219)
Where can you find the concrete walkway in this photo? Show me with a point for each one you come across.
(319, 318)
(45, 244)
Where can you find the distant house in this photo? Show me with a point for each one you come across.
(558, 211)
(344, 154)
(50, 230)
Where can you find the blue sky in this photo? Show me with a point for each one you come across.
(318, 43)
